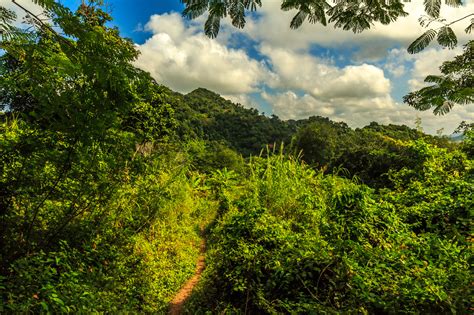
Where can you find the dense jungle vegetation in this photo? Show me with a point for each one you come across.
(109, 181)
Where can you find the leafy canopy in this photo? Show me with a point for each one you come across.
(454, 86)
(354, 15)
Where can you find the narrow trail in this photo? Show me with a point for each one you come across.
(176, 305)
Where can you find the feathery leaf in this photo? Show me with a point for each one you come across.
(432, 7)
(453, 3)
(446, 37)
(422, 42)
(470, 27)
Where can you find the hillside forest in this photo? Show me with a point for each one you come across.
(110, 182)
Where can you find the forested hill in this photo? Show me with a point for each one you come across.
(366, 152)
(207, 115)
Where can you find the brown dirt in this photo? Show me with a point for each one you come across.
(176, 305)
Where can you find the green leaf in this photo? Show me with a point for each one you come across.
(432, 7)
(298, 19)
(447, 38)
(212, 25)
(470, 27)
(195, 9)
(422, 42)
(453, 3)
(434, 79)
(444, 108)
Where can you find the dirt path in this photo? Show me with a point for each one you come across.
(176, 305)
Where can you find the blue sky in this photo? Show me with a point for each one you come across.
(315, 70)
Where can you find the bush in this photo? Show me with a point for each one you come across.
(297, 241)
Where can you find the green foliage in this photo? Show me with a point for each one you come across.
(206, 115)
(96, 215)
(422, 42)
(121, 234)
(453, 87)
(348, 15)
(435, 195)
(297, 241)
(318, 143)
(103, 205)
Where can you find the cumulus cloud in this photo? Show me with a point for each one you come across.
(322, 79)
(184, 59)
(298, 83)
(428, 62)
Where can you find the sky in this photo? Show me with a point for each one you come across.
(314, 70)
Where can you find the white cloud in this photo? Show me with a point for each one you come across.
(321, 79)
(428, 62)
(180, 56)
(184, 59)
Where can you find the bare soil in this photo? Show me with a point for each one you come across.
(176, 305)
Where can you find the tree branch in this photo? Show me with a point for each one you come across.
(460, 19)
(44, 25)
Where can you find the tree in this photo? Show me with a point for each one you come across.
(453, 87)
(81, 106)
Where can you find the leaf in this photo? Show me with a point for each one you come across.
(470, 27)
(237, 13)
(195, 9)
(453, 3)
(422, 42)
(447, 38)
(432, 7)
(444, 108)
(212, 25)
(298, 19)
(434, 79)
